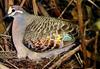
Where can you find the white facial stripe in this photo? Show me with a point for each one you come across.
(13, 13)
(9, 10)
(10, 13)
(19, 11)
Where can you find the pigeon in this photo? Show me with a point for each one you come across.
(39, 37)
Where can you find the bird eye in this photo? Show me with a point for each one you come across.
(13, 10)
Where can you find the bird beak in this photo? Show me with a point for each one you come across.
(8, 16)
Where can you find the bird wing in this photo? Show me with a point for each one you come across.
(43, 32)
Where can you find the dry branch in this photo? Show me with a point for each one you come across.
(22, 3)
(49, 62)
(5, 43)
(35, 8)
(1, 48)
(65, 9)
(77, 55)
(11, 2)
(56, 10)
(65, 57)
(6, 5)
(7, 29)
(4, 35)
(94, 4)
(11, 64)
(2, 24)
(81, 26)
(95, 48)
(42, 10)
(7, 54)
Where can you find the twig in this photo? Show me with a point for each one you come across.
(81, 25)
(4, 35)
(8, 54)
(79, 59)
(7, 51)
(35, 7)
(94, 4)
(10, 2)
(49, 62)
(71, 65)
(43, 11)
(6, 5)
(88, 41)
(7, 29)
(11, 64)
(65, 9)
(65, 57)
(53, 4)
(95, 48)
(2, 24)
(1, 48)
(22, 3)
(5, 44)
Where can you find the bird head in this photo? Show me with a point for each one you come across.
(13, 10)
